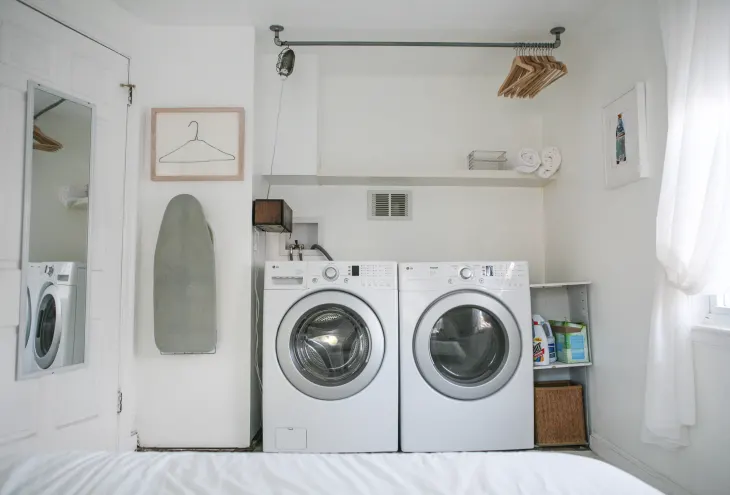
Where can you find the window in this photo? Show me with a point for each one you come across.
(716, 312)
(720, 304)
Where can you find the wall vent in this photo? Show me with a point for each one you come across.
(389, 205)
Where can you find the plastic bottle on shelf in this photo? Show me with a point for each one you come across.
(543, 342)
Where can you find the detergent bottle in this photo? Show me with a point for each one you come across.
(546, 333)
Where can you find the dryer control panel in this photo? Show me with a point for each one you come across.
(313, 274)
(503, 275)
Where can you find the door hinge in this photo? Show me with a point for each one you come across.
(130, 96)
(119, 401)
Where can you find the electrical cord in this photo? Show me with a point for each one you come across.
(276, 137)
(257, 312)
(257, 316)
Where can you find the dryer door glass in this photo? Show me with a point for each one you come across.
(330, 345)
(46, 325)
(468, 345)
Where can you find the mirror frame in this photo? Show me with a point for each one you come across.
(25, 229)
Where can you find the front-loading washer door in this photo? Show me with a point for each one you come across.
(49, 326)
(467, 345)
(330, 345)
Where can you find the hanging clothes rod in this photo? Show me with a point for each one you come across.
(556, 31)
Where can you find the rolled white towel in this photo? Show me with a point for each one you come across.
(529, 161)
(551, 160)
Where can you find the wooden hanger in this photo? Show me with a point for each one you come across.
(530, 74)
(516, 88)
(518, 71)
(42, 142)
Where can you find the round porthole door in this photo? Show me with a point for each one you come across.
(28, 317)
(48, 327)
(330, 345)
(467, 345)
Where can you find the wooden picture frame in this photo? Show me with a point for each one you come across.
(197, 144)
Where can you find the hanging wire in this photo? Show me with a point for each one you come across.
(276, 136)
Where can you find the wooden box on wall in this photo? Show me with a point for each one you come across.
(559, 415)
(272, 215)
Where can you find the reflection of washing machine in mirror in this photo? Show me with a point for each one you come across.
(33, 290)
(57, 333)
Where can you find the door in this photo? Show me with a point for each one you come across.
(467, 345)
(74, 408)
(330, 345)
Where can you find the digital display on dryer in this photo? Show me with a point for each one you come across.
(355, 270)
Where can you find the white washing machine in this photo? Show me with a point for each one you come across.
(466, 379)
(58, 298)
(33, 289)
(330, 357)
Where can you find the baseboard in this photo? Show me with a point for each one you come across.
(625, 461)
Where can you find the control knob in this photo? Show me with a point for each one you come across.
(330, 273)
(466, 273)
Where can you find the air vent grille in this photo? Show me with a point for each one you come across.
(389, 205)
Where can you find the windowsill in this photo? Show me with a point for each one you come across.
(711, 333)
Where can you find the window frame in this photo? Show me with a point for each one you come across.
(716, 315)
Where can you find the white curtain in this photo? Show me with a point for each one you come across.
(693, 220)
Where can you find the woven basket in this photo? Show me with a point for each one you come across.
(559, 416)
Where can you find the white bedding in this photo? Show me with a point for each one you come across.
(508, 473)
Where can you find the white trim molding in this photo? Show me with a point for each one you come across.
(621, 459)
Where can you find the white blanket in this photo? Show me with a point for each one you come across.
(510, 473)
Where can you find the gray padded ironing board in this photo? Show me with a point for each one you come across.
(184, 284)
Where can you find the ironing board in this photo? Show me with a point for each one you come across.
(184, 280)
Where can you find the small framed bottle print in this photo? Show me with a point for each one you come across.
(624, 138)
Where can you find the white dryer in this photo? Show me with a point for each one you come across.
(466, 357)
(330, 357)
(59, 318)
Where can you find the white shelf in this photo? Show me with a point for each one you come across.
(557, 284)
(556, 366)
(477, 178)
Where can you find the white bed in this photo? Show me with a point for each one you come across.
(511, 473)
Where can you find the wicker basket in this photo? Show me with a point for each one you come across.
(559, 415)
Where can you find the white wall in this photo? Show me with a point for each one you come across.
(419, 123)
(607, 236)
(58, 233)
(448, 224)
(197, 400)
(412, 111)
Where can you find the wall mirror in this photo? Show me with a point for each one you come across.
(56, 199)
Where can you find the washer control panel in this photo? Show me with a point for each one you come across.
(503, 275)
(313, 274)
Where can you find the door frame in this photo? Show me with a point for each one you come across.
(422, 340)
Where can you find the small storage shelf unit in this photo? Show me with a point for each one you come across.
(565, 301)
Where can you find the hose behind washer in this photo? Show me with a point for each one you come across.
(323, 251)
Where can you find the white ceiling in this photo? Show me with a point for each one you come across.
(523, 17)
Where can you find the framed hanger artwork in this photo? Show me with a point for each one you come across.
(197, 144)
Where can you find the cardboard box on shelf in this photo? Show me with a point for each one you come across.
(571, 340)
